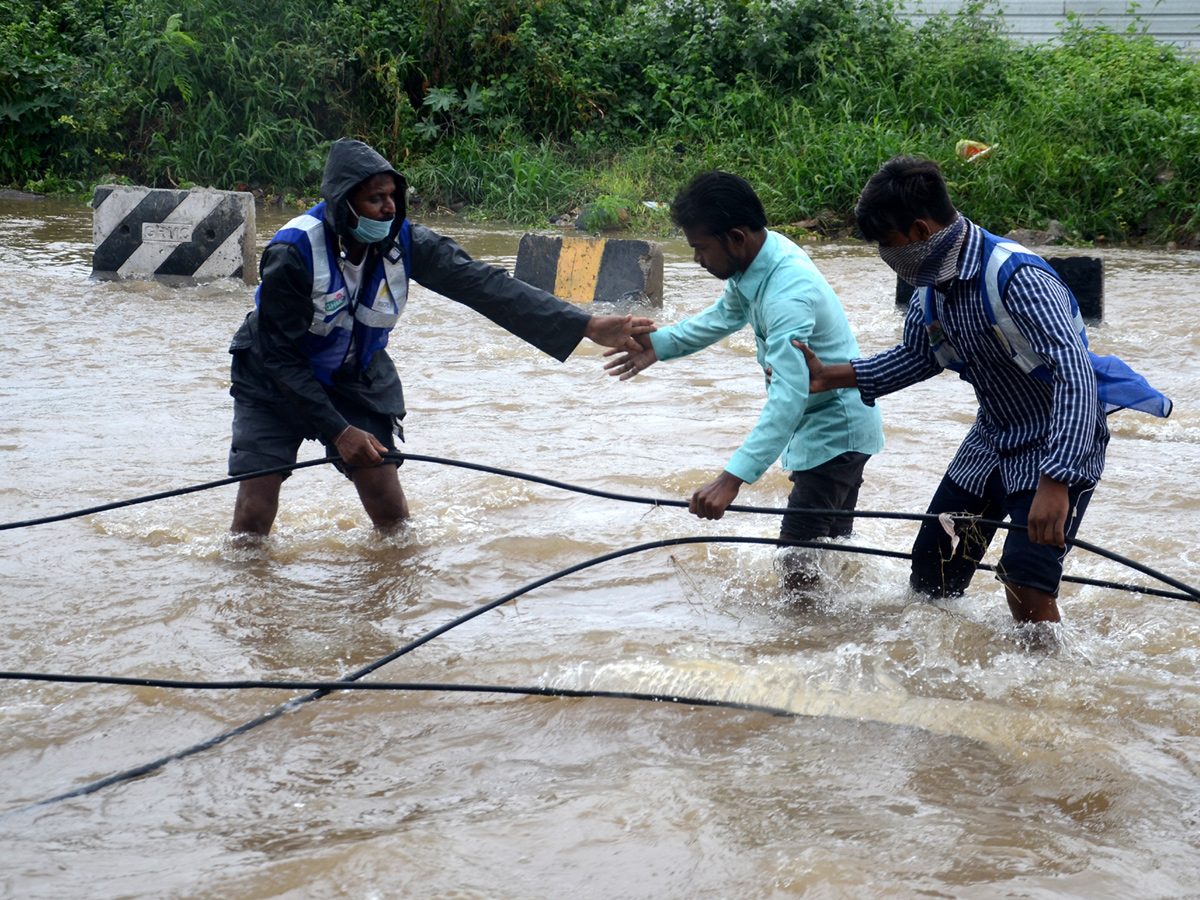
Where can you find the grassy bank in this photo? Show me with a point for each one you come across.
(522, 109)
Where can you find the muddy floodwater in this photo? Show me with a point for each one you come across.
(931, 752)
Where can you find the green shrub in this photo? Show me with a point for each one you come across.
(526, 108)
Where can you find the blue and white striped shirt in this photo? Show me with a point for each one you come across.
(1024, 426)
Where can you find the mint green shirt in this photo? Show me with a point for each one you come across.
(783, 296)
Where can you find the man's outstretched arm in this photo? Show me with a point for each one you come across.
(826, 378)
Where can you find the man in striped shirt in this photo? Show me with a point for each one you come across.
(1037, 448)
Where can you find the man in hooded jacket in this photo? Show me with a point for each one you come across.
(309, 361)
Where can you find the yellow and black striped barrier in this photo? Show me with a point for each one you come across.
(588, 270)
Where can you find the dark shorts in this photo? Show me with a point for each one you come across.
(937, 571)
(833, 485)
(267, 435)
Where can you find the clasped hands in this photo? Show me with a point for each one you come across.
(626, 362)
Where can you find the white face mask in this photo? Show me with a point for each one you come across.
(929, 262)
(371, 230)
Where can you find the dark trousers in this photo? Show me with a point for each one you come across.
(833, 485)
(941, 572)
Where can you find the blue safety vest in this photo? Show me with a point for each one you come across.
(337, 316)
(1118, 385)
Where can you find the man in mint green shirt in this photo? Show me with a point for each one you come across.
(824, 439)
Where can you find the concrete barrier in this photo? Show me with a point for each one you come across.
(587, 270)
(1084, 275)
(180, 237)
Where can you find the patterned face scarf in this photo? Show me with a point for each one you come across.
(929, 262)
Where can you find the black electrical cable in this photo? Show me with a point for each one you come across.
(1193, 593)
(324, 688)
(165, 495)
(358, 674)
(329, 687)
(355, 676)
(1187, 591)
(412, 645)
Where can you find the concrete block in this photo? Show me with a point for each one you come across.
(180, 237)
(587, 270)
(1084, 275)
(904, 292)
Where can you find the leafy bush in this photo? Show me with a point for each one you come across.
(527, 107)
(61, 105)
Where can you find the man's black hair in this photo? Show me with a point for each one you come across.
(719, 202)
(905, 188)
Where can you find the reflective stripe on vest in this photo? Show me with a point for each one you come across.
(1000, 260)
(306, 233)
(1118, 385)
(382, 295)
(391, 290)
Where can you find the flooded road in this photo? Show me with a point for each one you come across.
(932, 753)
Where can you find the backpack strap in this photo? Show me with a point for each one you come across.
(1001, 259)
(1117, 384)
(947, 357)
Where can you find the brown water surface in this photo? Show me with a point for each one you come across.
(933, 754)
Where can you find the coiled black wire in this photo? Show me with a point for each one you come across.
(1184, 591)
(357, 675)
(351, 681)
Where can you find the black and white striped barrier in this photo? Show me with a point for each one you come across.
(180, 237)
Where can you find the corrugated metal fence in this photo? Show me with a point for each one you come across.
(1039, 21)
